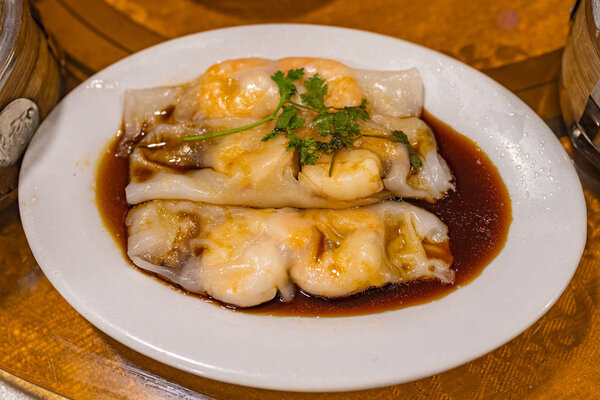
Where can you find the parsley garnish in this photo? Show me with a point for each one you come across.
(400, 137)
(309, 150)
(340, 125)
(415, 160)
(316, 91)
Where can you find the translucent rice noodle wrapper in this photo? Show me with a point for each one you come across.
(240, 169)
(246, 257)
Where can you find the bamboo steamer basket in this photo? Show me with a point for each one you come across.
(580, 83)
(30, 83)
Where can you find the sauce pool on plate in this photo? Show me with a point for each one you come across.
(478, 215)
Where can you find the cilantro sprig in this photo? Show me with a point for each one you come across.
(400, 137)
(339, 125)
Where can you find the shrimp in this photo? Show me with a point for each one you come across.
(238, 88)
(356, 174)
(350, 258)
(246, 258)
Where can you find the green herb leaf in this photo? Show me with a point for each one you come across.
(358, 112)
(400, 137)
(316, 91)
(324, 124)
(341, 121)
(270, 136)
(415, 161)
(335, 153)
(309, 150)
(287, 121)
(295, 74)
(287, 89)
(286, 118)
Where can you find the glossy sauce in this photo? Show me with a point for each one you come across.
(478, 215)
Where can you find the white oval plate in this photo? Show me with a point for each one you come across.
(80, 258)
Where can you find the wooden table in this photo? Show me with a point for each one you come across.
(44, 342)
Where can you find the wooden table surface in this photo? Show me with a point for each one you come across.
(45, 342)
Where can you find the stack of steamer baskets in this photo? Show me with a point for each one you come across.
(580, 83)
(29, 87)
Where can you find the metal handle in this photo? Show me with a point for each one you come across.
(586, 135)
(18, 122)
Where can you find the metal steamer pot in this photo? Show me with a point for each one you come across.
(580, 83)
(29, 87)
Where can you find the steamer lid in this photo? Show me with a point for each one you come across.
(592, 12)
